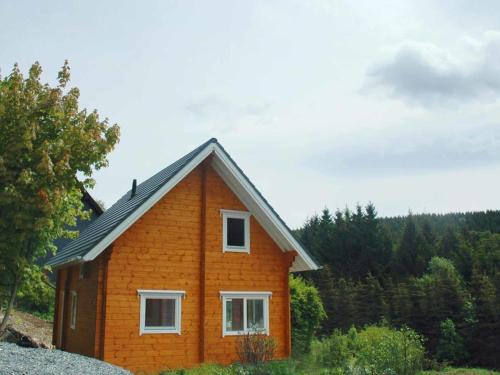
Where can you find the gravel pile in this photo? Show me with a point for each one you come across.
(26, 361)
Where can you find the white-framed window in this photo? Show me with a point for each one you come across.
(161, 311)
(235, 231)
(245, 312)
(74, 307)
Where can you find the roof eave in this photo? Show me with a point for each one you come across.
(287, 240)
(271, 220)
(65, 262)
(150, 202)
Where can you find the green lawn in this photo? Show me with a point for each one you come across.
(288, 368)
(460, 371)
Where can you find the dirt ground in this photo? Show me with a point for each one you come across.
(30, 325)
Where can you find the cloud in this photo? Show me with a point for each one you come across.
(431, 76)
(418, 151)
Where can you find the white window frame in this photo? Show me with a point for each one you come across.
(227, 296)
(74, 309)
(175, 295)
(81, 273)
(231, 214)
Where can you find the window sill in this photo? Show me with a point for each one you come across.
(235, 250)
(243, 333)
(160, 331)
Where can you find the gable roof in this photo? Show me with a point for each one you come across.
(113, 222)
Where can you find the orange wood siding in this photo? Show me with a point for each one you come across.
(264, 269)
(163, 250)
(160, 251)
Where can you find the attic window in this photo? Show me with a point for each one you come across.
(235, 231)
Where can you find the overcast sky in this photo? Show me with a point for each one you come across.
(321, 103)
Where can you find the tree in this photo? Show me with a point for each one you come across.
(409, 260)
(485, 329)
(439, 294)
(451, 346)
(449, 244)
(342, 308)
(324, 282)
(370, 302)
(307, 314)
(47, 141)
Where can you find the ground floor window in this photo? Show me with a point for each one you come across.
(160, 311)
(74, 306)
(245, 312)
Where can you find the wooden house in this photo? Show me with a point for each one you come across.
(177, 269)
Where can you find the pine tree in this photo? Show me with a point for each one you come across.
(324, 282)
(343, 305)
(370, 305)
(408, 258)
(485, 332)
(448, 246)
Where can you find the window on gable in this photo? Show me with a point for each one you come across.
(245, 312)
(236, 231)
(74, 306)
(160, 311)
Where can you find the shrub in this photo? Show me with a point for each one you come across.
(255, 348)
(384, 351)
(268, 368)
(307, 314)
(331, 352)
(451, 345)
(372, 351)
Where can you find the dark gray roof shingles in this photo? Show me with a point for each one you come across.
(124, 207)
(119, 211)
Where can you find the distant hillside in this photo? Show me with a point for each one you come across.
(475, 221)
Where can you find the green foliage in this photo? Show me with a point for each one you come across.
(373, 350)
(35, 295)
(47, 141)
(410, 258)
(307, 313)
(481, 221)
(353, 244)
(415, 288)
(451, 347)
(382, 350)
(460, 371)
(269, 368)
(331, 352)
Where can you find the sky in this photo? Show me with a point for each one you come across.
(321, 103)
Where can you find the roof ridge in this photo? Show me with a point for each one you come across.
(122, 208)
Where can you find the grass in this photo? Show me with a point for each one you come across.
(461, 371)
(270, 368)
(291, 368)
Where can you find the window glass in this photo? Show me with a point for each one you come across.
(160, 313)
(235, 231)
(234, 314)
(74, 301)
(255, 314)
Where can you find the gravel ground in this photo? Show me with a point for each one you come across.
(26, 361)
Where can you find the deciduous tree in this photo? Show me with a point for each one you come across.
(46, 142)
